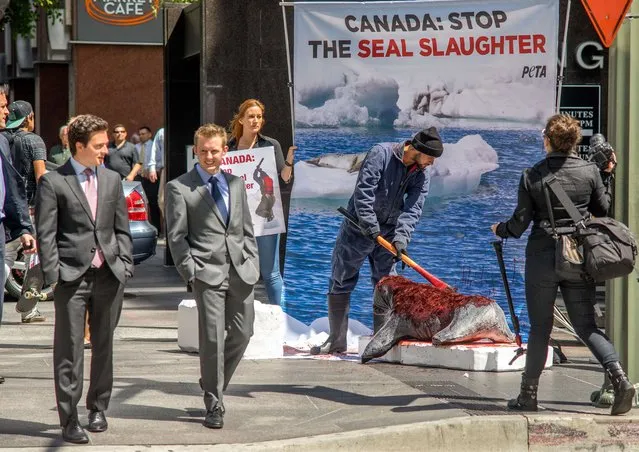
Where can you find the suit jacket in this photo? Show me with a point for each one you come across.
(67, 233)
(202, 246)
(16, 209)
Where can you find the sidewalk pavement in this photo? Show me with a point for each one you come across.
(291, 404)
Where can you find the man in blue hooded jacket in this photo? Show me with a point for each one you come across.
(389, 196)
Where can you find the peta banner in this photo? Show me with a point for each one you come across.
(257, 168)
(483, 72)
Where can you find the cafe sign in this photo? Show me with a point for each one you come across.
(118, 21)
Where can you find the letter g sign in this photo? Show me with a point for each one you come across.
(588, 55)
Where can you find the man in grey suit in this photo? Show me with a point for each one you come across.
(210, 235)
(86, 253)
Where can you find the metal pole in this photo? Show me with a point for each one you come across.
(290, 76)
(563, 57)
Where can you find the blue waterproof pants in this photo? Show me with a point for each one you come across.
(351, 248)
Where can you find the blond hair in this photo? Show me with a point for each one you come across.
(210, 131)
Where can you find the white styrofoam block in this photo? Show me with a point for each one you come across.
(267, 340)
(476, 357)
(188, 340)
(265, 343)
(294, 330)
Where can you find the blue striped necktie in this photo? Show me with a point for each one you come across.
(219, 200)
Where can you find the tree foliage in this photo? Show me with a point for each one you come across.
(22, 14)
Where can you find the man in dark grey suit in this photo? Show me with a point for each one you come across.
(86, 253)
(210, 234)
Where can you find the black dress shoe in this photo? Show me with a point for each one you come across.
(74, 433)
(97, 422)
(1, 380)
(214, 418)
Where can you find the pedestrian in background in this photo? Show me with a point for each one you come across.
(123, 157)
(157, 156)
(86, 253)
(151, 167)
(14, 210)
(210, 235)
(246, 128)
(583, 184)
(29, 155)
(60, 153)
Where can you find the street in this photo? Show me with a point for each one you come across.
(157, 400)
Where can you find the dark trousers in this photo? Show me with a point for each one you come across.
(350, 251)
(579, 297)
(225, 324)
(99, 292)
(151, 189)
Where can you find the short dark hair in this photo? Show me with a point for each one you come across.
(82, 127)
(146, 128)
(119, 125)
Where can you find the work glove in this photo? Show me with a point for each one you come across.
(400, 248)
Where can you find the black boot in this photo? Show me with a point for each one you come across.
(527, 398)
(338, 305)
(624, 390)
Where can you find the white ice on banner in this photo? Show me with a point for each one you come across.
(420, 63)
(258, 170)
(457, 171)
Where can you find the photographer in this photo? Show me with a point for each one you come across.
(601, 153)
(582, 182)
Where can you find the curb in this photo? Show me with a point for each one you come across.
(511, 433)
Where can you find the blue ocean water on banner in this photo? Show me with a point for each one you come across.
(452, 240)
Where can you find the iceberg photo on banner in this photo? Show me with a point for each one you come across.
(483, 73)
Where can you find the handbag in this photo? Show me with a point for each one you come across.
(608, 247)
(569, 259)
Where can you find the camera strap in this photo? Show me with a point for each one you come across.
(551, 216)
(565, 201)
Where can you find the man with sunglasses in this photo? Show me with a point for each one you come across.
(123, 156)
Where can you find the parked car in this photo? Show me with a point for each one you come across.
(144, 237)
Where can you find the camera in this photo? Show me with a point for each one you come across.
(599, 151)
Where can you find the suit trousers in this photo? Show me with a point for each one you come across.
(225, 324)
(100, 293)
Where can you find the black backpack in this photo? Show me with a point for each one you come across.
(608, 247)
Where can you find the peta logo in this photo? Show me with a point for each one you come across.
(533, 72)
(124, 13)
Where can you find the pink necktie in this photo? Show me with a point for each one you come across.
(91, 192)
